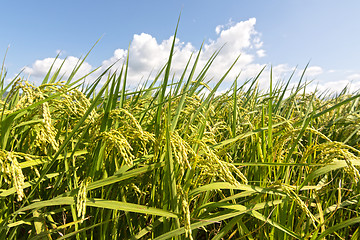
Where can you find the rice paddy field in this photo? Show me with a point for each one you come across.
(172, 161)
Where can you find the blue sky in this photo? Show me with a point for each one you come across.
(280, 33)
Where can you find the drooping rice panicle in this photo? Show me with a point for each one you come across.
(176, 159)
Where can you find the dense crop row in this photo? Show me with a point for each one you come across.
(167, 161)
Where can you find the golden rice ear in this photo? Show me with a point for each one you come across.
(177, 158)
(82, 198)
(12, 172)
(115, 142)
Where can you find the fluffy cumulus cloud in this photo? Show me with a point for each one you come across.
(351, 82)
(261, 53)
(234, 39)
(314, 71)
(40, 67)
(311, 72)
(148, 56)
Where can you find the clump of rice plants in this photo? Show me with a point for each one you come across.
(168, 162)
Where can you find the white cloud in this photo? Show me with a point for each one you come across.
(147, 54)
(219, 28)
(355, 76)
(118, 58)
(336, 86)
(40, 67)
(261, 53)
(237, 37)
(257, 42)
(313, 71)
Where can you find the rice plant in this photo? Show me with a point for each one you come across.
(170, 162)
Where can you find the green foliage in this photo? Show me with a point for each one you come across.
(169, 161)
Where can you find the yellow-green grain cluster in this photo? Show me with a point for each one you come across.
(176, 160)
